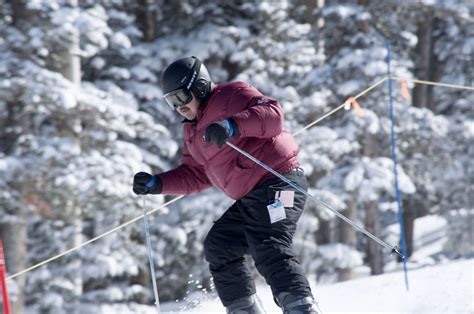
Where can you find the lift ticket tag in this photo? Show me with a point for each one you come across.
(276, 211)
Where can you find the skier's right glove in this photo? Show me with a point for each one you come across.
(145, 183)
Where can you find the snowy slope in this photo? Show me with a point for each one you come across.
(447, 288)
(429, 241)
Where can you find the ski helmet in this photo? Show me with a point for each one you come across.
(182, 77)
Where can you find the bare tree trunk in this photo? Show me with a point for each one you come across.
(422, 94)
(72, 71)
(14, 243)
(409, 216)
(372, 219)
(316, 22)
(70, 60)
(20, 13)
(374, 250)
(364, 24)
(320, 24)
(413, 208)
(348, 235)
(75, 261)
(14, 230)
(326, 232)
(146, 17)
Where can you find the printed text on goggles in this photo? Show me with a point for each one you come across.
(183, 96)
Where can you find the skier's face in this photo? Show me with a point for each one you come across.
(190, 110)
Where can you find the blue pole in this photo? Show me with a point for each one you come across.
(394, 158)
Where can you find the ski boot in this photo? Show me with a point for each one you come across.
(294, 304)
(248, 305)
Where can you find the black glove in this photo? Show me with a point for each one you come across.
(145, 183)
(218, 132)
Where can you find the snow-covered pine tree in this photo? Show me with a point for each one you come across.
(78, 146)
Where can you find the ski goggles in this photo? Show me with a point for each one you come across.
(178, 98)
(182, 96)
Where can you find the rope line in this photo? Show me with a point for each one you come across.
(181, 196)
(92, 240)
(432, 83)
(340, 106)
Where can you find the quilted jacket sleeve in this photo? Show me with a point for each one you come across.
(257, 115)
(187, 178)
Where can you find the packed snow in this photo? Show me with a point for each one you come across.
(444, 288)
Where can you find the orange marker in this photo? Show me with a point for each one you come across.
(405, 91)
(356, 106)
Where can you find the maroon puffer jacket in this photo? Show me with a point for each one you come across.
(260, 122)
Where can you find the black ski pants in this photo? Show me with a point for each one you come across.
(245, 228)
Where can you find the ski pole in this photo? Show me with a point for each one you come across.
(150, 256)
(393, 249)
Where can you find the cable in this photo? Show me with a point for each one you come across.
(91, 240)
(340, 107)
(432, 83)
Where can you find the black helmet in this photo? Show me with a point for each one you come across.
(182, 77)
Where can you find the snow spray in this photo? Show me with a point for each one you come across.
(3, 282)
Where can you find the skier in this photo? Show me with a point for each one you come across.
(263, 219)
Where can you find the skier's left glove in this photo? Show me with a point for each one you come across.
(145, 183)
(218, 132)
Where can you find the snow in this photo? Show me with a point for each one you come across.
(435, 286)
(430, 234)
(372, 177)
(349, 88)
(340, 252)
(120, 40)
(445, 288)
